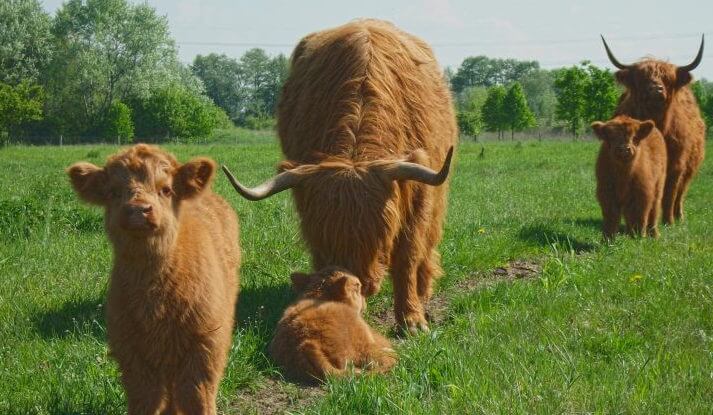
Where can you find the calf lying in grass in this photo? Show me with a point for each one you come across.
(324, 330)
(631, 173)
(173, 285)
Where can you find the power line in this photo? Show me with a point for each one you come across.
(239, 44)
(447, 44)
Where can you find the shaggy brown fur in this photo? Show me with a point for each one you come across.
(358, 94)
(631, 171)
(658, 91)
(324, 330)
(173, 286)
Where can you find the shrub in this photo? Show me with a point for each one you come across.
(118, 123)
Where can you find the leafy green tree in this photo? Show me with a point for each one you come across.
(570, 86)
(277, 69)
(601, 94)
(469, 104)
(261, 79)
(248, 89)
(19, 104)
(25, 41)
(106, 50)
(220, 74)
(538, 87)
(486, 72)
(517, 115)
(492, 111)
(470, 123)
(471, 99)
(119, 124)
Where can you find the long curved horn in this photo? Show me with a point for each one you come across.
(282, 181)
(612, 58)
(404, 170)
(697, 60)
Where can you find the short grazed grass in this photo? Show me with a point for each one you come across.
(622, 328)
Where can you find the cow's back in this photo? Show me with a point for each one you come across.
(364, 91)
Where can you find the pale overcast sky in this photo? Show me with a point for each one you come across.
(554, 32)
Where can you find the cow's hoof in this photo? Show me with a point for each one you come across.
(414, 324)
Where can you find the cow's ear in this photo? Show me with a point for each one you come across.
(346, 287)
(644, 129)
(300, 281)
(598, 128)
(623, 76)
(683, 78)
(89, 182)
(193, 177)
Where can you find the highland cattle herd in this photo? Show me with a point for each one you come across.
(367, 128)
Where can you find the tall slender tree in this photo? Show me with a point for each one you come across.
(517, 115)
(492, 111)
(601, 94)
(570, 84)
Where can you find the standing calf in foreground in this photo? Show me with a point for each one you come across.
(659, 91)
(173, 285)
(631, 171)
(324, 330)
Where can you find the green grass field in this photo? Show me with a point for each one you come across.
(622, 328)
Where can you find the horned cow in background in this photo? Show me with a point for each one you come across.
(365, 118)
(659, 91)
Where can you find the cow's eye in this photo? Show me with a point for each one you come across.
(166, 191)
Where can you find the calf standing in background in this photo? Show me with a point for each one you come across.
(631, 173)
(173, 285)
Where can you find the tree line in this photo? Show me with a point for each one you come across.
(108, 70)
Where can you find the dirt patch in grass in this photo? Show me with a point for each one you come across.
(437, 311)
(273, 396)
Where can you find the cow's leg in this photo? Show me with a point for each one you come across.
(428, 270)
(405, 260)
(671, 192)
(197, 384)
(318, 364)
(145, 390)
(630, 219)
(611, 216)
(642, 222)
(653, 228)
(685, 183)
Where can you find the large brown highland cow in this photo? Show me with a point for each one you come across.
(659, 91)
(173, 285)
(364, 117)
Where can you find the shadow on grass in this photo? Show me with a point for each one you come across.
(263, 306)
(81, 317)
(544, 235)
(593, 223)
(257, 306)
